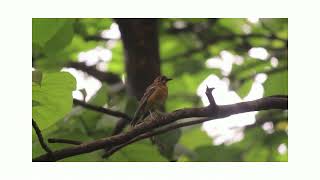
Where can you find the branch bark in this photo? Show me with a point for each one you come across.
(41, 139)
(214, 112)
(107, 77)
(64, 141)
(102, 110)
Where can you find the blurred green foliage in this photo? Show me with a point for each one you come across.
(185, 45)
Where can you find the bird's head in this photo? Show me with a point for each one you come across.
(162, 79)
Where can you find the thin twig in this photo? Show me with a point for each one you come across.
(107, 77)
(40, 137)
(102, 109)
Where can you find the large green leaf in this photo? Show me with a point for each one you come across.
(44, 29)
(61, 39)
(54, 98)
(51, 35)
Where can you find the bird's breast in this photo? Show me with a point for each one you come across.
(159, 96)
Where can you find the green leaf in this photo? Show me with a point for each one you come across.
(61, 39)
(54, 97)
(166, 143)
(43, 29)
(51, 35)
(277, 83)
(35, 103)
(142, 151)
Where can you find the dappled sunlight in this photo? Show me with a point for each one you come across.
(246, 28)
(94, 56)
(224, 62)
(274, 62)
(261, 78)
(112, 33)
(89, 83)
(268, 127)
(282, 148)
(253, 20)
(230, 129)
(259, 53)
(179, 24)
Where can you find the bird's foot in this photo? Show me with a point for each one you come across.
(155, 115)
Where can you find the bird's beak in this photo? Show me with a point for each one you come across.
(168, 79)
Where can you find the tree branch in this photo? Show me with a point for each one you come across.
(64, 141)
(102, 110)
(40, 138)
(96, 38)
(107, 77)
(154, 133)
(214, 112)
(121, 124)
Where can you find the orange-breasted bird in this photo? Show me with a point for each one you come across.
(153, 98)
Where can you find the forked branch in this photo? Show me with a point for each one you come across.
(149, 127)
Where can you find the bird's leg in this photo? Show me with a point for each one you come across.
(157, 114)
(151, 115)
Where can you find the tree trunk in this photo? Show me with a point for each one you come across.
(142, 57)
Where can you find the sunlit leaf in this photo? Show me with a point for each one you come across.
(53, 34)
(54, 97)
(61, 39)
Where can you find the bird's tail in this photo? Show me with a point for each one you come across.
(136, 117)
(134, 120)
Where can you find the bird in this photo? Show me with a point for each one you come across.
(153, 98)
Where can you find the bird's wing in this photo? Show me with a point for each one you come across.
(142, 103)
